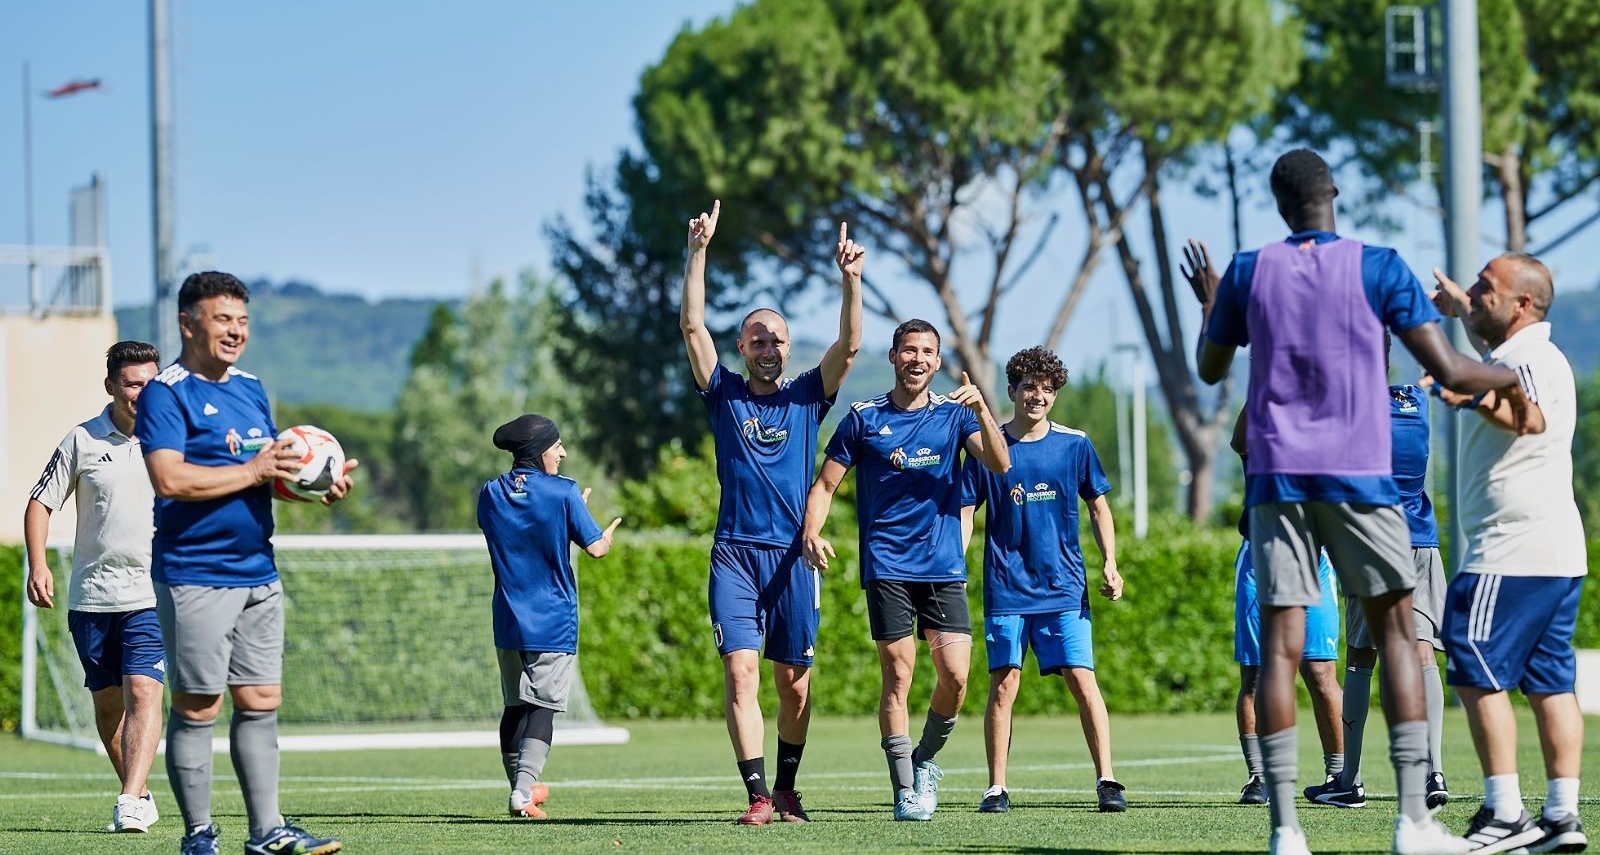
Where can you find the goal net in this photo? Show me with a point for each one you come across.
(387, 643)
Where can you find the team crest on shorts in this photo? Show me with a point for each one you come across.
(716, 633)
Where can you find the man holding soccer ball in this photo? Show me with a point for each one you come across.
(209, 442)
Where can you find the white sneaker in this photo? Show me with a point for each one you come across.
(134, 814)
(1429, 837)
(1288, 841)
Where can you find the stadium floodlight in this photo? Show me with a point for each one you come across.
(1410, 49)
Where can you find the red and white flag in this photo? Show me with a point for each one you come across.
(73, 87)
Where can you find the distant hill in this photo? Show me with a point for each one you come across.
(311, 347)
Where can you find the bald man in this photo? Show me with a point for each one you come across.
(1512, 605)
(760, 592)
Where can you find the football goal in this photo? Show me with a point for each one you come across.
(388, 643)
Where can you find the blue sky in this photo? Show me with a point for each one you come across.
(395, 149)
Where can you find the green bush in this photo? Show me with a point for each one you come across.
(11, 584)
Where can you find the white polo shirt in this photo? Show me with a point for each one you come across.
(1517, 508)
(116, 515)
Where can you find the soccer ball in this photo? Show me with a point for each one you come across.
(321, 463)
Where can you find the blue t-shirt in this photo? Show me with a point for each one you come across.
(1408, 414)
(1032, 563)
(224, 542)
(908, 486)
(528, 518)
(1397, 301)
(766, 454)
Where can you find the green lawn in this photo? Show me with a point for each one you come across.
(673, 789)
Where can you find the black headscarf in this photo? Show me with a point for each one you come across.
(527, 437)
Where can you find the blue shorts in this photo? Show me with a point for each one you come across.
(1059, 641)
(765, 593)
(1511, 631)
(113, 645)
(1322, 620)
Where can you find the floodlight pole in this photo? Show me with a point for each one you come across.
(165, 309)
(35, 293)
(1463, 193)
(1141, 474)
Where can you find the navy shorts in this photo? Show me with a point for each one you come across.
(764, 594)
(113, 645)
(1504, 632)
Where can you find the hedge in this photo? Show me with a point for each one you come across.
(647, 651)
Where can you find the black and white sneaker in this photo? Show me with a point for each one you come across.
(1489, 835)
(1109, 793)
(1438, 795)
(1331, 792)
(995, 800)
(1560, 835)
(1254, 792)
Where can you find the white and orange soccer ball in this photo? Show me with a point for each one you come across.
(321, 463)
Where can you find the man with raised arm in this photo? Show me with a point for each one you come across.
(765, 427)
(1513, 605)
(906, 447)
(1313, 309)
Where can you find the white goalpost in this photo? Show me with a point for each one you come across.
(388, 643)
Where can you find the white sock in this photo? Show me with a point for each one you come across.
(1503, 795)
(994, 791)
(1561, 798)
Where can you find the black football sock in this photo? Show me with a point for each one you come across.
(754, 774)
(788, 764)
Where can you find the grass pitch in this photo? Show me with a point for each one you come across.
(673, 789)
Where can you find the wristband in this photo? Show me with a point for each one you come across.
(1473, 404)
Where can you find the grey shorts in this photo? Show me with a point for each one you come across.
(1427, 604)
(221, 637)
(1369, 545)
(535, 677)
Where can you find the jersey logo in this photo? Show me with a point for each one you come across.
(104, 458)
(924, 459)
(238, 444)
(209, 409)
(1041, 492)
(519, 485)
(884, 431)
(1018, 495)
(753, 431)
(716, 634)
(234, 441)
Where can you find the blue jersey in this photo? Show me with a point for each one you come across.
(908, 489)
(224, 542)
(1322, 332)
(1408, 417)
(1032, 563)
(766, 454)
(529, 518)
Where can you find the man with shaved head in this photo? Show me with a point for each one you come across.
(765, 427)
(1511, 608)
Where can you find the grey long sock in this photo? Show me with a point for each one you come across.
(533, 746)
(897, 749)
(1332, 764)
(253, 742)
(189, 768)
(1357, 702)
(935, 732)
(1433, 694)
(1252, 754)
(1408, 750)
(1278, 757)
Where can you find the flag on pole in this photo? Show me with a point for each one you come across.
(73, 87)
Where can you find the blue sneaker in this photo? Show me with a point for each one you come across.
(908, 808)
(289, 840)
(925, 781)
(201, 841)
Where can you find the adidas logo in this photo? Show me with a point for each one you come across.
(884, 431)
(104, 458)
(753, 777)
(209, 410)
(811, 651)
(161, 665)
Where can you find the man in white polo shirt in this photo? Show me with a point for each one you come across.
(1512, 606)
(110, 601)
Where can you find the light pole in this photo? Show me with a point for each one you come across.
(35, 293)
(1141, 476)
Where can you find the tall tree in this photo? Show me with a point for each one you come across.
(1157, 83)
(1540, 92)
(930, 127)
(471, 371)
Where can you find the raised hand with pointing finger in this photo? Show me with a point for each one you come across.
(701, 228)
